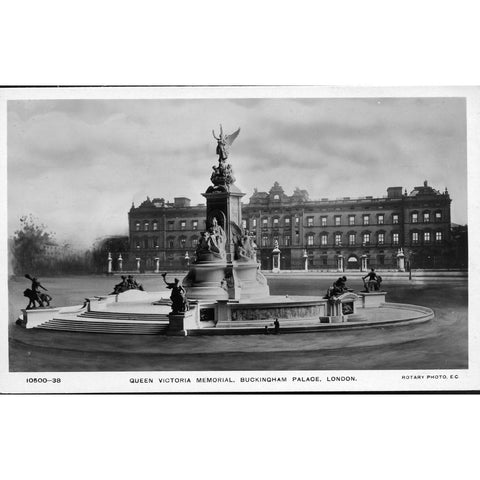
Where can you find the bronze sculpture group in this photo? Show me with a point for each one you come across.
(127, 283)
(35, 296)
(374, 281)
(222, 176)
(178, 296)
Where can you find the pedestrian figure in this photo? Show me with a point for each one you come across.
(265, 331)
(276, 324)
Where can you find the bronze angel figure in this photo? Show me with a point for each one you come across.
(224, 141)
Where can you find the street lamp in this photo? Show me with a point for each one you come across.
(187, 259)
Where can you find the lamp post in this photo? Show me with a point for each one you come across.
(187, 259)
(305, 257)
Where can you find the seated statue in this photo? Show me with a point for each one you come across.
(127, 283)
(212, 243)
(338, 288)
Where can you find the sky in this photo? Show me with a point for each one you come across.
(77, 165)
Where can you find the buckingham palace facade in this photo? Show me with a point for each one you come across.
(310, 233)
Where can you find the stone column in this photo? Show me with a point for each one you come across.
(340, 263)
(276, 258)
(120, 263)
(305, 257)
(138, 264)
(157, 265)
(401, 260)
(109, 265)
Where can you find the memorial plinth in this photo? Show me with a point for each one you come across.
(224, 291)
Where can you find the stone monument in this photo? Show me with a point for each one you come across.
(225, 265)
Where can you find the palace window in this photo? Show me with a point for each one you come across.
(438, 216)
(275, 222)
(171, 225)
(381, 259)
(414, 217)
(145, 243)
(395, 238)
(324, 239)
(414, 238)
(137, 226)
(366, 219)
(287, 240)
(183, 224)
(438, 237)
(146, 226)
(154, 225)
(170, 243)
(194, 224)
(338, 220)
(264, 222)
(254, 223)
(297, 221)
(309, 221)
(183, 242)
(366, 238)
(381, 238)
(338, 239)
(287, 221)
(194, 242)
(426, 237)
(265, 241)
(426, 217)
(137, 245)
(380, 219)
(351, 239)
(323, 221)
(395, 218)
(351, 219)
(310, 239)
(276, 196)
(297, 239)
(324, 260)
(244, 224)
(155, 242)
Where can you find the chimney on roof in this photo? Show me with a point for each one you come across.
(394, 192)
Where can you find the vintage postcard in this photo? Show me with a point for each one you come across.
(239, 239)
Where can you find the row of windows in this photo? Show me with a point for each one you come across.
(337, 221)
(147, 225)
(426, 216)
(352, 240)
(171, 243)
(366, 219)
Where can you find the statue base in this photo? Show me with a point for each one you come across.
(225, 281)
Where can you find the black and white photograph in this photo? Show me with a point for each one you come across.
(192, 239)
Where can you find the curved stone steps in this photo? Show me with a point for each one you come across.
(129, 316)
(92, 326)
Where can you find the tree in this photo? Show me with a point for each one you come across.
(116, 245)
(28, 247)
